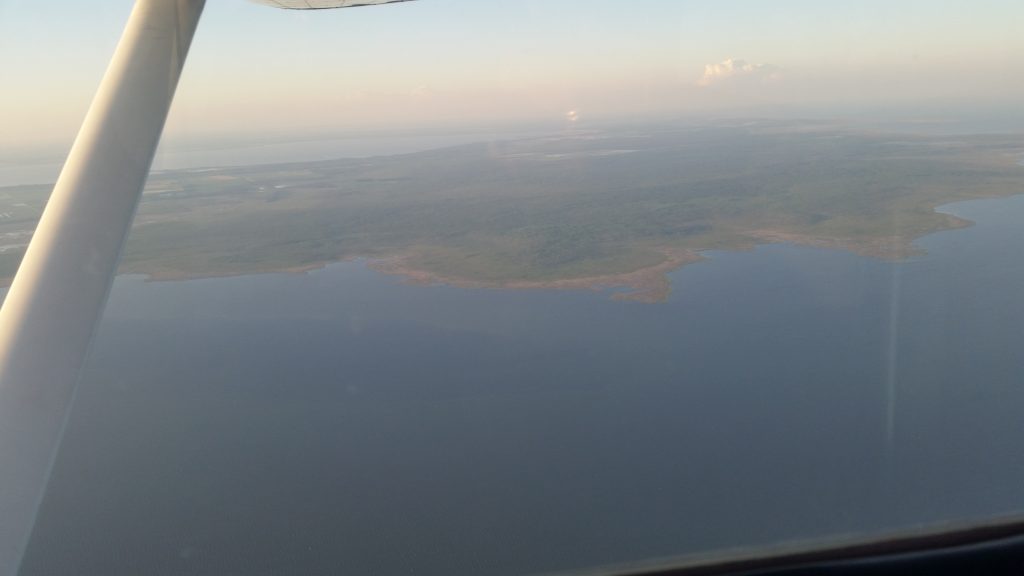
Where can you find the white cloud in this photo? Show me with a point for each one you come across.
(421, 91)
(735, 69)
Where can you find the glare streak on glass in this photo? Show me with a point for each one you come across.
(892, 356)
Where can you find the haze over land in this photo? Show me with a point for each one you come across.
(257, 75)
(616, 207)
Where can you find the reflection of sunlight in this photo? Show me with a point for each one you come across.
(572, 115)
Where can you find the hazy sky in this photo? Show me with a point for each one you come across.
(259, 70)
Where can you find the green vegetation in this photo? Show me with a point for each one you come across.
(546, 210)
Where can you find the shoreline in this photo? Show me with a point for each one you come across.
(647, 285)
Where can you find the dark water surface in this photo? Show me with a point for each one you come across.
(341, 422)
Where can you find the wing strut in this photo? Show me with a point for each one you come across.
(60, 289)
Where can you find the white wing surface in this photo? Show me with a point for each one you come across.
(322, 4)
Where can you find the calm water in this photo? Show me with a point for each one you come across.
(343, 422)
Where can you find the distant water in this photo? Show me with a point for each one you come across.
(342, 422)
(173, 157)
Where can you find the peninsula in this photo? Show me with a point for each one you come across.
(613, 208)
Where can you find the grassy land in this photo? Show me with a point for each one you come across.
(530, 212)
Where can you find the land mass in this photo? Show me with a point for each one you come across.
(616, 208)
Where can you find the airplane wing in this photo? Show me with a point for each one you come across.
(55, 302)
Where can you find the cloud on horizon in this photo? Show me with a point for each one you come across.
(732, 70)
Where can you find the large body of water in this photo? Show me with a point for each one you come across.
(342, 422)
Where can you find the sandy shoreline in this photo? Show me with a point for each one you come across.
(650, 284)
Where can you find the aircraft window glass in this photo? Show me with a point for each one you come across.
(456, 287)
